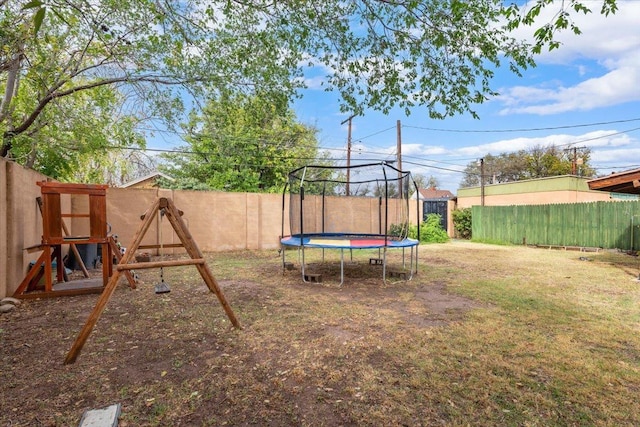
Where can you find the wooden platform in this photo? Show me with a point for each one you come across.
(95, 283)
(74, 287)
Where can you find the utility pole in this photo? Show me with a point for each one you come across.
(348, 151)
(399, 155)
(573, 156)
(399, 144)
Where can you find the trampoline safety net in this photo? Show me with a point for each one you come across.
(369, 199)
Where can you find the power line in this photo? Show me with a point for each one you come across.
(524, 129)
(376, 133)
(437, 167)
(599, 137)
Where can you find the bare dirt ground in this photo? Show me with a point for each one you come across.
(547, 339)
(174, 359)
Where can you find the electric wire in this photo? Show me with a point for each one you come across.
(524, 129)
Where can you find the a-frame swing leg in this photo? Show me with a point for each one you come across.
(173, 215)
(111, 286)
(116, 252)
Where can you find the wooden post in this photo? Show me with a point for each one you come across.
(106, 294)
(173, 215)
(73, 247)
(118, 255)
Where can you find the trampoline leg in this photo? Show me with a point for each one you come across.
(410, 264)
(384, 266)
(302, 266)
(284, 262)
(341, 267)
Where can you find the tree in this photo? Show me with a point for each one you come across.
(113, 167)
(79, 132)
(423, 182)
(378, 53)
(538, 162)
(505, 167)
(551, 161)
(242, 143)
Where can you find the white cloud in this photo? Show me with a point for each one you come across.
(616, 87)
(620, 156)
(423, 150)
(596, 140)
(611, 43)
(316, 82)
(614, 36)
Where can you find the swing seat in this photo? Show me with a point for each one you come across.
(162, 288)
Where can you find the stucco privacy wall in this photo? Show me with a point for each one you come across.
(217, 221)
(221, 221)
(231, 221)
(124, 208)
(20, 222)
(552, 190)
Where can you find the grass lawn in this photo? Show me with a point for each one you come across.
(483, 335)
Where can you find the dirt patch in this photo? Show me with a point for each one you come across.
(304, 357)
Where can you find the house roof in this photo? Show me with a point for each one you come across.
(622, 182)
(432, 193)
(148, 177)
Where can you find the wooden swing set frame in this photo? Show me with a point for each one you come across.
(127, 263)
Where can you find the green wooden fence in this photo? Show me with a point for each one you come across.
(597, 224)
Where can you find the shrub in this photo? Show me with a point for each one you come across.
(398, 230)
(413, 231)
(431, 230)
(462, 222)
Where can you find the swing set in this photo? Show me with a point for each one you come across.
(165, 207)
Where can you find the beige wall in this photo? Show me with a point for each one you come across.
(451, 206)
(20, 222)
(542, 198)
(539, 191)
(217, 221)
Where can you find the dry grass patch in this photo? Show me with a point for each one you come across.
(484, 335)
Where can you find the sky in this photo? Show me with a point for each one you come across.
(584, 94)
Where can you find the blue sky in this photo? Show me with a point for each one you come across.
(592, 78)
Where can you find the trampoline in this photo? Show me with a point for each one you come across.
(364, 206)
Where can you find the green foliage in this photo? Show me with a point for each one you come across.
(183, 183)
(399, 230)
(462, 222)
(431, 230)
(538, 162)
(242, 143)
(79, 138)
(527, 14)
(440, 55)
